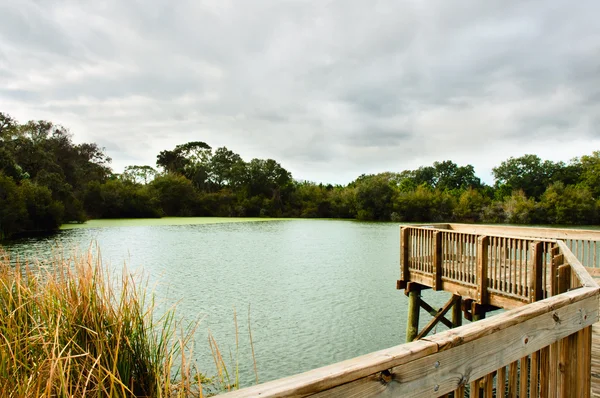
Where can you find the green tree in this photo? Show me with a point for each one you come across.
(374, 198)
(590, 173)
(13, 212)
(227, 169)
(570, 204)
(527, 173)
(470, 206)
(519, 209)
(139, 174)
(175, 194)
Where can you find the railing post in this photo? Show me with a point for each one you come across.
(536, 291)
(437, 260)
(482, 268)
(404, 273)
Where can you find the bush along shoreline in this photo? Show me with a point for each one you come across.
(47, 180)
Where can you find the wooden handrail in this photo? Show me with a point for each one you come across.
(584, 277)
(442, 363)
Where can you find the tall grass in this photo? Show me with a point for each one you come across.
(72, 328)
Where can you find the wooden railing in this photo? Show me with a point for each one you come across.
(585, 244)
(503, 271)
(540, 347)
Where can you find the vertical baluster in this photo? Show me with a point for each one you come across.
(522, 248)
(526, 261)
(475, 389)
(513, 260)
(517, 267)
(523, 376)
(432, 249)
(426, 249)
(420, 232)
(510, 265)
(534, 375)
(589, 254)
(514, 255)
(501, 382)
(422, 246)
(468, 257)
(473, 257)
(474, 251)
(546, 249)
(545, 372)
(452, 251)
(444, 272)
(458, 256)
(502, 263)
(506, 266)
(489, 386)
(465, 256)
(492, 262)
(512, 379)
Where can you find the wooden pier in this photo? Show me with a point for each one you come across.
(546, 343)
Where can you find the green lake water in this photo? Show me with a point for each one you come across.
(319, 291)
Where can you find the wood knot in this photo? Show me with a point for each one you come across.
(386, 376)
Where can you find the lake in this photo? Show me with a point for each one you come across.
(318, 291)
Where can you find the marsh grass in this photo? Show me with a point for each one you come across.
(70, 327)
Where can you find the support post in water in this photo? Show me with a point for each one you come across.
(457, 313)
(412, 323)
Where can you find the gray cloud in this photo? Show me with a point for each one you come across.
(331, 89)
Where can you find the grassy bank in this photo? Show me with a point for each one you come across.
(71, 328)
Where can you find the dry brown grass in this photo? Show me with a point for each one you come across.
(70, 328)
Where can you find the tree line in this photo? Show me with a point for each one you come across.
(47, 180)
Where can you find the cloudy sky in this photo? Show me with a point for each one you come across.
(329, 88)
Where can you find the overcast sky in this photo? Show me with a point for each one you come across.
(330, 89)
